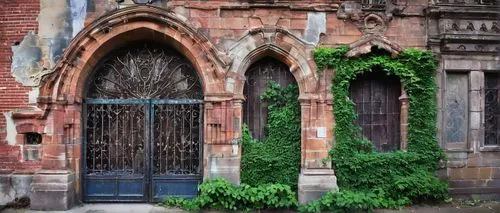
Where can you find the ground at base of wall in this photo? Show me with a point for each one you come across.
(455, 207)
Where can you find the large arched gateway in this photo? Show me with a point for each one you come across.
(143, 120)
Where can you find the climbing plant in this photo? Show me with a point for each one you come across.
(404, 176)
(276, 159)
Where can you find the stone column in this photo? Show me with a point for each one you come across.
(404, 99)
(476, 106)
(317, 176)
(222, 150)
(53, 187)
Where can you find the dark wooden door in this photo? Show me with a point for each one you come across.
(376, 96)
(257, 78)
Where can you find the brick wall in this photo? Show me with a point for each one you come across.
(17, 18)
(224, 22)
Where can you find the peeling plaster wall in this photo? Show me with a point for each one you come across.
(33, 95)
(55, 30)
(78, 13)
(11, 129)
(14, 186)
(25, 58)
(316, 24)
(59, 22)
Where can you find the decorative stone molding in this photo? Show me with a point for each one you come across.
(370, 19)
(64, 83)
(365, 45)
(464, 47)
(474, 27)
(276, 42)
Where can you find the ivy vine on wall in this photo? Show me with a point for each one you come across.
(277, 158)
(403, 176)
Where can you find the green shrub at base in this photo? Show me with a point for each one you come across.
(352, 201)
(220, 194)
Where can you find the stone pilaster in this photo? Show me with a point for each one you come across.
(53, 187)
(404, 99)
(222, 150)
(317, 176)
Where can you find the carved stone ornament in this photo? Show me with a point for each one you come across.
(368, 22)
(368, 43)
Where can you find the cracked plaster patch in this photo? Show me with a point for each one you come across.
(316, 25)
(25, 58)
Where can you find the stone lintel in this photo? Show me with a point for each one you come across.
(314, 183)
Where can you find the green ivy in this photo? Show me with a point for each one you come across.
(402, 175)
(220, 194)
(277, 158)
(351, 201)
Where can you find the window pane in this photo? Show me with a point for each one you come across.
(376, 96)
(491, 109)
(456, 107)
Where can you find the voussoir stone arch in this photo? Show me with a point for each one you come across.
(280, 44)
(66, 81)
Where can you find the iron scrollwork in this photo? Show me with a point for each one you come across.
(491, 110)
(144, 102)
(146, 73)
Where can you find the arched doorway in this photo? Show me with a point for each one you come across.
(143, 121)
(257, 78)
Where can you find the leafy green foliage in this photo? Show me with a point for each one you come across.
(352, 201)
(277, 158)
(220, 194)
(401, 175)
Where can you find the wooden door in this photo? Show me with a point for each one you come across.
(378, 108)
(257, 78)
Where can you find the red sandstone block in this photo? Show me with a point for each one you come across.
(262, 12)
(298, 24)
(340, 39)
(470, 173)
(235, 23)
(210, 22)
(203, 13)
(235, 13)
(284, 22)
(485, 172)
(254, 22)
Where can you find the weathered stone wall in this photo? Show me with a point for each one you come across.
(466, 42)
(221, 38)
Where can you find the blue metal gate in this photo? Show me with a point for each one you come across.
(142, 150)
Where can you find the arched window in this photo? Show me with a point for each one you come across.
(257, 78)
(376, 96)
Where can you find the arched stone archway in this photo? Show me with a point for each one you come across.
(58, 185)
(316, 101)
(124, 26)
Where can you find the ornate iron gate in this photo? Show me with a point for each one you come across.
(143, 122)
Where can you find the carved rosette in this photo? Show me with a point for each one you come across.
(369, 22)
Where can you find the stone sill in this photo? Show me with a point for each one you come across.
(489, 149)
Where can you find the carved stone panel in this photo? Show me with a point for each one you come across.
(456, 108)
(482, 27)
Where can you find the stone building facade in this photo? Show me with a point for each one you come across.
(51, 52)
(465, 36)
